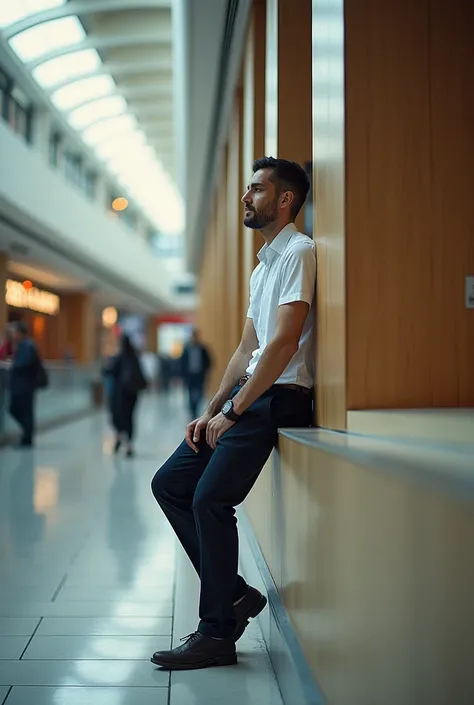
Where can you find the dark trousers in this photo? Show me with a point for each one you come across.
(123, 408)
(196, 393)
(199, 493)
(22, 410)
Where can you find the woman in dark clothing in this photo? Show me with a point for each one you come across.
(129, 381)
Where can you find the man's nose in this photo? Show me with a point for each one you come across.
(246, 197)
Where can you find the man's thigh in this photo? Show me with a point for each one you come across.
(239, 457)
(180, 474)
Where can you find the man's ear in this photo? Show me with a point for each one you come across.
(286, 199)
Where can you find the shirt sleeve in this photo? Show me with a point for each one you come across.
(250, 312)
(298, 277)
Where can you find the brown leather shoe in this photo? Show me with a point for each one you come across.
(198, 651)
(250, 606)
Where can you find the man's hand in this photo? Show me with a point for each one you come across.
(195, 429)
(216, 428)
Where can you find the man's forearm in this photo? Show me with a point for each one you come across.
(235, 370)
(273, 362)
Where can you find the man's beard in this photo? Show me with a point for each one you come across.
(258, 221)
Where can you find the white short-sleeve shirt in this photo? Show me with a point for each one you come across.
(286, 273)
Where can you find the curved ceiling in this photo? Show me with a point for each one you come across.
(107, 65)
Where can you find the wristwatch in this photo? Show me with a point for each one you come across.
(228, 411)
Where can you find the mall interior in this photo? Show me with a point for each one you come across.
(128, 130)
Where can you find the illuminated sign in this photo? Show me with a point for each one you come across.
(32, 298)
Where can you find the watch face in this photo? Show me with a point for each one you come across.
(227, 407)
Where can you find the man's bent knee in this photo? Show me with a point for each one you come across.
(159, 483)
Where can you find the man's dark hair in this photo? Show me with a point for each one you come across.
(287, 176)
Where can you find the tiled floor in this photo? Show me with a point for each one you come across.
(92, 581)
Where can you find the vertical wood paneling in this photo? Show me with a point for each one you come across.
(452, 235)
(208, 312)
(80, 328)
(409, 210)
(288, 86)
(234, 235)
(329, 233)
(376, 575)
(253, 127)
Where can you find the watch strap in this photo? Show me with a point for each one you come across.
(231, 415)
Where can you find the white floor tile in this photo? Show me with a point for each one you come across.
(11, 647)
(70, 510)
(17, 592)
(86, 609)
(69, 648)
(103, 577)
(160, 593)
(117, 674)
(90, 626)
(252, 683)
(33, 695)
(18, 626)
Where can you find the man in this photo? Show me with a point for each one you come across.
(195, 364)
(267, 385)
(23, 382)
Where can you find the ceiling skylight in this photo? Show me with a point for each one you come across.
(14, 10)
(102, 131)
(79, 85)
(98, 110)
(66, 67)
(82, 91)
(120, 143)
(47, 36)
(152, 188)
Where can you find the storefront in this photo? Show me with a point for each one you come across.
(40, 310)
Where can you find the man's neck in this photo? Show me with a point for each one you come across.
(271, 231)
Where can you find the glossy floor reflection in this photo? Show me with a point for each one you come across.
(92, 581)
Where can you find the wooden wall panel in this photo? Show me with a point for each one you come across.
(253, 127)
(409, 214)
(288, 85)
(215, 296)
(329, 196)
(234, 235)
(452, 236)
(376, 575)
(207, 318)
(78, 327)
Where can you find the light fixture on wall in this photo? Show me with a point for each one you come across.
(119, 204)
(109, 317)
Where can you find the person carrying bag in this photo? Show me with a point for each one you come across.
(129, 381)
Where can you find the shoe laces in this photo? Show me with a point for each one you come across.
(190, 637)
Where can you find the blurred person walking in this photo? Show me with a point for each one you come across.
(128, 382)
(267, 385)
(195, 366)
(27, 374)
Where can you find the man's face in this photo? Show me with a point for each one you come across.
(261, 201)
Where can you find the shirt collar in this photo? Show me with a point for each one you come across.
(279, 244)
